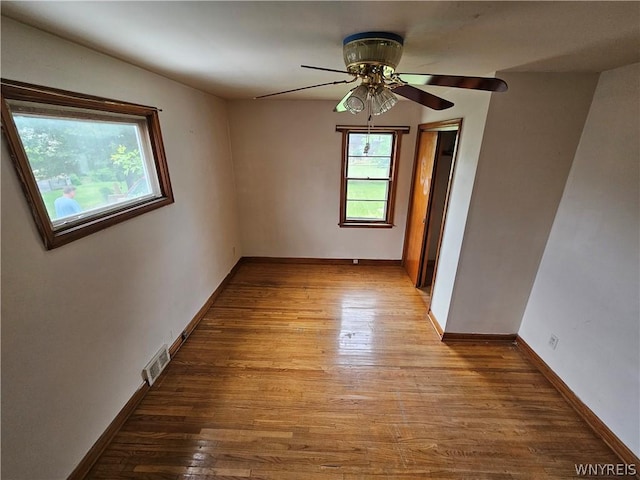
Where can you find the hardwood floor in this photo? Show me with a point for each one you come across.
(425, 294)
(314, 372)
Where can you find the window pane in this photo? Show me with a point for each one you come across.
(380, 144)
(83, 166)
(368, 167)
(367, 189)
(361, 209)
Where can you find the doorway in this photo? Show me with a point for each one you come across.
(433, 168)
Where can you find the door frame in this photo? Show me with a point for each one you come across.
(441, 126)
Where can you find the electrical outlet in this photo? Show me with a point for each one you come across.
(355, 261)
(553, 342)
(234, 251)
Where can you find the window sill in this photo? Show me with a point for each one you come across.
(365, 225)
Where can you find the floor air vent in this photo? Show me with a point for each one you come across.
(154, 368)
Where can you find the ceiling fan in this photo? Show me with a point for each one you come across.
(373, 58)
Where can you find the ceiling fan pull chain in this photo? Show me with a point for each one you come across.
(367, 145)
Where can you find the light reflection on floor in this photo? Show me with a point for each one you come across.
(357, 323)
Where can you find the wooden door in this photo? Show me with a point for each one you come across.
(419, 203)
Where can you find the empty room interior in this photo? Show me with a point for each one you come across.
(320, 240)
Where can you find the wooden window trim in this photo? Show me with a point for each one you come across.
(52, 238)
(395, 157)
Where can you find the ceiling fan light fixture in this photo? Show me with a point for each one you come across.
(383, 100)
(372, 48)
(372, 57)
(356, 102)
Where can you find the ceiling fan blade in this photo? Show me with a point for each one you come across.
(422, 97)
(340, 107)
(325, 69)
(303, 88)
(474, 83)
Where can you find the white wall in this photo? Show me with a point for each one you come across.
(472, 107)
(80, 322)
(530, 138)
(287, 158)
(587, 289)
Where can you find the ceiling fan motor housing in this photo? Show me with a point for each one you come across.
(367, 49)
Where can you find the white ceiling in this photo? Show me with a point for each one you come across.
(243, 49)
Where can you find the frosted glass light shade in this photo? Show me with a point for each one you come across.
(357, 100)
(383, 100)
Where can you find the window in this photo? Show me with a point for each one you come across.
(85, 162)
(369, 159)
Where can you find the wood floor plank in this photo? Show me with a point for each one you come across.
(333, 372)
